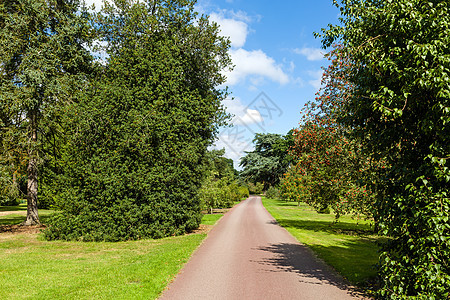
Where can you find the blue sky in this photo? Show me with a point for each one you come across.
(277, 63)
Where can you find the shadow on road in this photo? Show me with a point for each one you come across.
(296, 258)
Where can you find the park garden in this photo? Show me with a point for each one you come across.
(106, 123)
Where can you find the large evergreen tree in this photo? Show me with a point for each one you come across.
(270, 159)
(400, 109)
(42, 62)
(135, 158)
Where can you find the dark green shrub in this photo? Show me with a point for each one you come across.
(273, 193)
(255, 189)
(243, 192)
(133, 164)
(9, 201)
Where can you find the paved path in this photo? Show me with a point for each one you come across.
(248, 256)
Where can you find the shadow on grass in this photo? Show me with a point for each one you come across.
(297, 258)
(16, 219)
(13, 208)
(329, 227)
(356, 259)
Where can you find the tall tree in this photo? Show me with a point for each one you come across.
(139, 137)
(400, 110)
(329, 162)
(41, 59)
(270, 159)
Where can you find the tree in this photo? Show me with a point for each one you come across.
(220, 188)
(269, 160)
(329, 162)
(327, 172)
(400, 111)
(42, 64)
(138, 140)
(219, 166)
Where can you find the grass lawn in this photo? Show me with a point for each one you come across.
(211, 219)
(31, 268)
(350, 247)
(20, 216)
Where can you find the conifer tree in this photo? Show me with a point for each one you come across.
(42, 63)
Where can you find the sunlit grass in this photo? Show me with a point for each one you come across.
(211, 219)
(31, 268)
(18, 215)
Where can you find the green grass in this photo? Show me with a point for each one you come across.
(31, 268)
(21, 207)
(13, 219)
(211, 219)
(348, 246)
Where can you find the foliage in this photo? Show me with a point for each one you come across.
(218, 165)
(135, 159)
(9, 193)
(269, 160)
(42, 64)
(216, 193)
(400, 110)
(243, 192)
(273, 193)
(255, 189)
(220, 189)
(329, 163)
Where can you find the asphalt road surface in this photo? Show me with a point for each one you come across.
(248, 255)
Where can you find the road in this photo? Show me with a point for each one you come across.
(248, 255)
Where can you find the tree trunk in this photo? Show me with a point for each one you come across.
(32, 185)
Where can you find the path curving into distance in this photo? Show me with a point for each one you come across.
(248, 256)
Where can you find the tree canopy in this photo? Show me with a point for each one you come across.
(135, 158)
(329, 164)
(399, 109)
(43, 63)
(270, 159)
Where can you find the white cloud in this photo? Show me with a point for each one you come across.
(254, 63)
(311, 54)
(299, 81)
(236, 29)
(234, 106)
(98, 4)
(98, 51)
(316, 80)
(242, 115)
(251, 116)
(235, 148)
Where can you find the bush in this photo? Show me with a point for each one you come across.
(9, 201)
(138, 134)
(273, 193)
(46, 199)
(243, 192)
(255, 189)
(216, 193)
